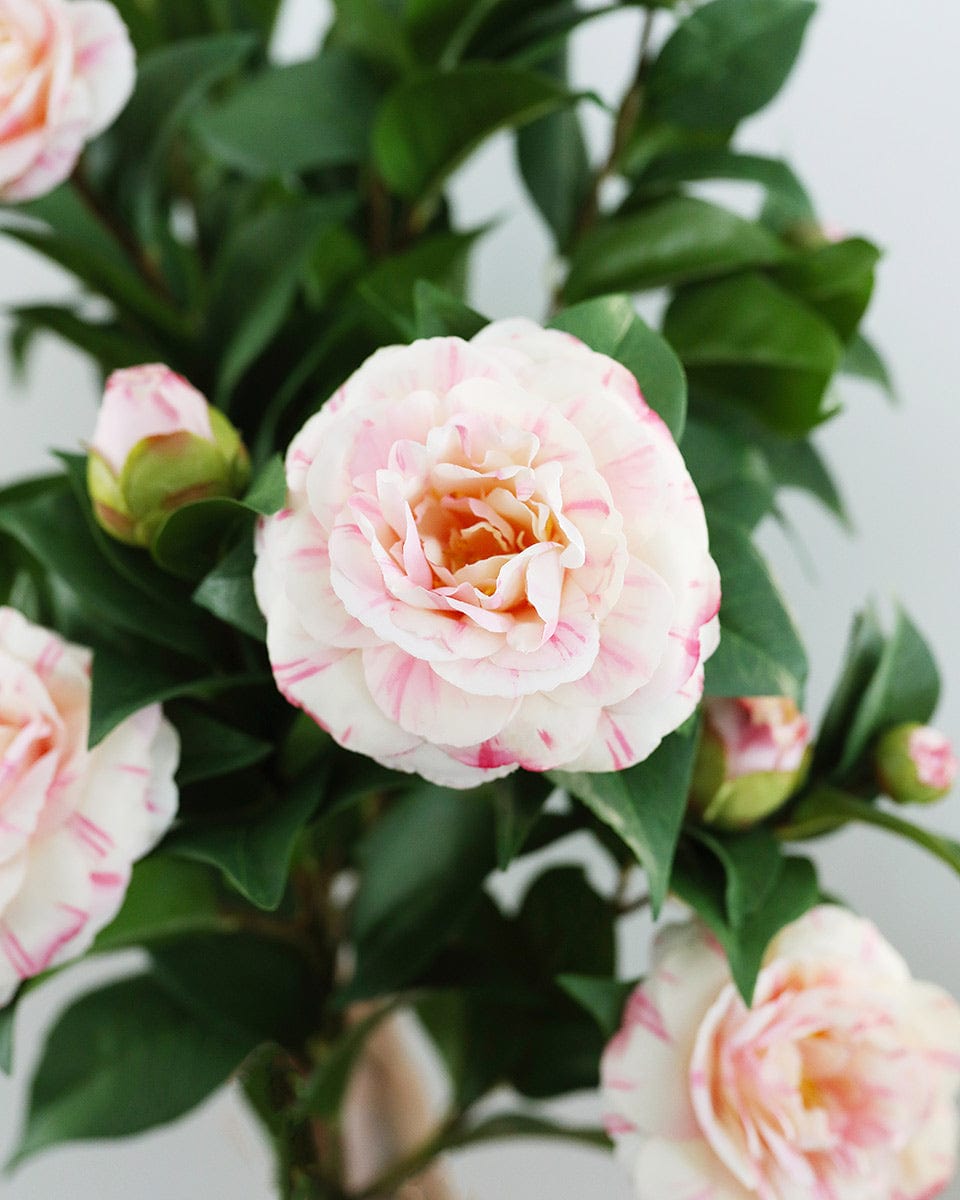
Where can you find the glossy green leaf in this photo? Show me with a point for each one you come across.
(438, 31)
(166, 898)
(518, 804)
(726, 60)
(835, 280)
(373, 30)
(124, 1059)
(672, 241)
(227, 592)
(644, 805)
(865, 648)
(732, 475)
(760, 651)
(604, 999)
(797, 463)
(751, 862)
(255, 847)
(431, 122)
(566, 926)
(311, 114)
(746, 341)
(256, 277)
(905, 686)
(439, 314)
(610, 326)
(410, 902)
(210, 748)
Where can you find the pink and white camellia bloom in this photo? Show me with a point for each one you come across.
(67, 68)
(840, 1082)
(492, 557)
(72, 820)
(758, 733)
(933, 756)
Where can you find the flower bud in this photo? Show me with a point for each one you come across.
(158, 445)
(915, 764)
(753, 755)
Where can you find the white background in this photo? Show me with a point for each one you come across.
(870, 121)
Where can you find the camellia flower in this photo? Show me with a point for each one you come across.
(158, 445)
(839, 1082)
(753, 754)
(915, 764)
(492, 557)
(72, 820)
(66, 70)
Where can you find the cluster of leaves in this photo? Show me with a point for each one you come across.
(262, 229)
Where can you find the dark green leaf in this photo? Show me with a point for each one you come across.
(835, 280)
(747, 341)
(670, 242)
(904, 687)
(166, 898)
(644, 805)
(865, 648)
(255, 847)
(124, 1059)
(373, 30)
(610, 326)
(209, 748)
(322, 1094)
(227, 592)
(518, 804)
(603, 998)
(566, 926)
(796, 463)
(760, 652)
(752, 863)
(105, 341)
(438, 314)
(429, 124)
(731, 474)
(256, 278)
(311, 114)
(728, 59)
(422, 868)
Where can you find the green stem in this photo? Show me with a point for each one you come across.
(413, 1163)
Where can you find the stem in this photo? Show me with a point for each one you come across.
(626, 122)
(148, 269)
(413, 1164)
(379, 217)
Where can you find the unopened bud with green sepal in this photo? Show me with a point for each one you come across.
(158, 445)
(753, 755)
(915, 764)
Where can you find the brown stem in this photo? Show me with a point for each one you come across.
(379, 216)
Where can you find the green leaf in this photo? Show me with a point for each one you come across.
(227, 592)
(165, 898)
(604, 999)
(644, 805)
(865, 648)
(256, 278)
(524, 1125)
(751, 861)
(210, 748)
(311, 114)
(119, 690)
(835, 280)
(669, 242)
(107, 342)
(322, 1094)
(774, 175)
(53, 528)
(610, 326)
(438, 314)
(760, 651)
(439, 30)
(254, 849)
(699, 881)
(830, 806)
(518, 804)
(728, 59)
(432, 122)
(904, 687)
(863, 361)
(121, 1060)
(410, 902)
(732, 475)
(373, 30)
(797, 463)
(566, 926)
(747, 341)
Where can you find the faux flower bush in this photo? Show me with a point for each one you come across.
(355, 598)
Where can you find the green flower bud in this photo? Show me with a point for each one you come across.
(158, 445)
(915, 764)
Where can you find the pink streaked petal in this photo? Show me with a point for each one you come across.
(409, 692)
(541, 735)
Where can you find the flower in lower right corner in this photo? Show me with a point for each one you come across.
(840, 1083)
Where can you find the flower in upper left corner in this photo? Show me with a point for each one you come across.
(72, 820)
(67, 69)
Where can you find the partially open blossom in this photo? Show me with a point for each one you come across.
(840, 1082)
(492, 557)
(753, 754)
(72, 820)
(66, 70)
(915, 764)
(158, 445)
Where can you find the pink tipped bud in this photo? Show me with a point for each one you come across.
(915, 764)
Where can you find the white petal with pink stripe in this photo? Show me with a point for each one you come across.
(840, 1083)
(492, 557)
(72, 821)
